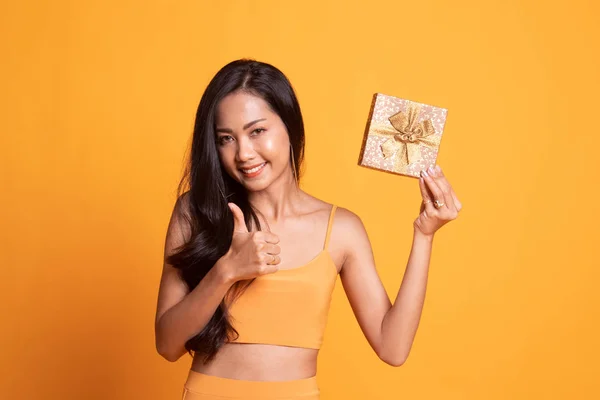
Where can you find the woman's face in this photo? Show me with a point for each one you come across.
(252, 140)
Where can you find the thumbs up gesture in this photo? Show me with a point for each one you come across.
(251, 254)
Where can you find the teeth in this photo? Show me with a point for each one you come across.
(250, 171)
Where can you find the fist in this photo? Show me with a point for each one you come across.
(251, 254)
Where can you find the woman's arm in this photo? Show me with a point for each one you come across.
(364, 289)
(181, 314)
(391, 329)
(400, 323)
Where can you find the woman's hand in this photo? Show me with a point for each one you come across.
(251, 254)
(440, 204)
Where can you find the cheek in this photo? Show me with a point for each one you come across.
(275, 149)
(270, 145)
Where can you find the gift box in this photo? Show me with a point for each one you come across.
(403, 136)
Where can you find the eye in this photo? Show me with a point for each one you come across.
(258, 131)
(224, 139)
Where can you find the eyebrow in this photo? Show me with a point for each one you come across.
(248, 125)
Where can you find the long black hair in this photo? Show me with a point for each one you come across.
(207, 188)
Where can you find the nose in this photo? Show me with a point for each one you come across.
(245, 150)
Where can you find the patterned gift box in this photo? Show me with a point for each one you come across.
(403, 136)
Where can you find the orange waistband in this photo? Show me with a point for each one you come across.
(226, 387)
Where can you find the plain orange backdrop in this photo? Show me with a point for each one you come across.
(98, 101)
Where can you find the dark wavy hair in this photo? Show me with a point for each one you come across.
(208, 188)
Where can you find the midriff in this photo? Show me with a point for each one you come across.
(260, 362)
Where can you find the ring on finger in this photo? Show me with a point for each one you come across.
(426, 201)
(438, 204)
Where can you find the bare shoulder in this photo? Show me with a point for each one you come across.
(179, 230)
(348, 229)
(172, 288)
(347, 219)
(183, 205)
(348, 235)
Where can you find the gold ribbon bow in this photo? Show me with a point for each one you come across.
(405, 136)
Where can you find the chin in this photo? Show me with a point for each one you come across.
(254, 184)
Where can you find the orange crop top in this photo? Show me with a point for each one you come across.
(288, 307)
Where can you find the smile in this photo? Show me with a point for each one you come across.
(253, 171)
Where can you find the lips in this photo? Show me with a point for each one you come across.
(253, 170)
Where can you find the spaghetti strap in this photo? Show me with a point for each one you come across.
(329, 225)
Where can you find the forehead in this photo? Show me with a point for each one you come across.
(239, 108)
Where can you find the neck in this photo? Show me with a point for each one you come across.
(277, 200)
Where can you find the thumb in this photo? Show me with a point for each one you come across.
(239, 224)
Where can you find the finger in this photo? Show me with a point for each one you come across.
(271, 249)
(424, 193)
(427, 200)
(432, 186)
(270, 268)
(268, 237)
(270, 259)
(275, 260)
(239, 224)
(455, 200)
(440, 180)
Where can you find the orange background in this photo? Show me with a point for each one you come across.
(98, 101)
